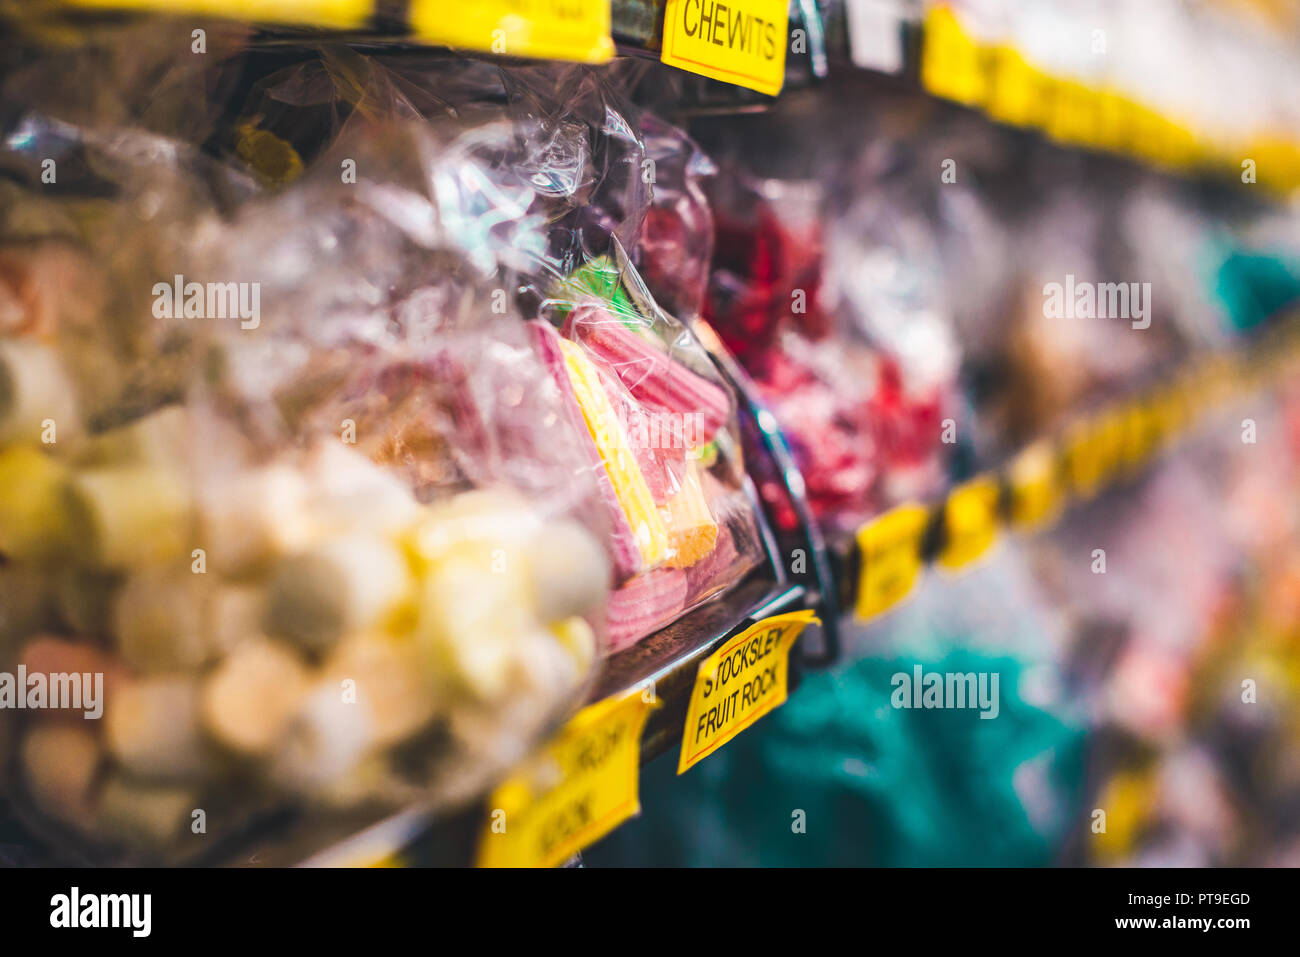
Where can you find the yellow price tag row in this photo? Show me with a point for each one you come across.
(333, 14)
(970, 521)
(1018, 93)
(1034, 488)
(576, 30)
(585, 782)
(952, 61)
(889, 556)
(996, 77)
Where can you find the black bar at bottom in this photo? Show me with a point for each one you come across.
(442, 907)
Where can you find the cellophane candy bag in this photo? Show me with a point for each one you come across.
(654, 420)
(858, 371)
(663, 445)
(275, 484)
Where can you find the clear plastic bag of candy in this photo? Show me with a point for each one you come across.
(663, 444)
(277, 486)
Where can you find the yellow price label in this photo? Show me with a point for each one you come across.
(1141, 433)
(1076, 115)
(739, 683)
(740, 41)
(1034, 480)
(1093, 450)
(1171, 414)
(1151, 139)
(580, 788)
(952, 61)
(970, 521)
(1018, 94)
(1114, 124)
(576, 30)
(338, 14)
(1181, 146)
(889, 549)
(1130, 799)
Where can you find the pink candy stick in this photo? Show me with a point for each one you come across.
(649, 373)
(644, 604)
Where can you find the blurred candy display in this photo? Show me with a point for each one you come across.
(343, 531)
(377, 417)
(329, 565)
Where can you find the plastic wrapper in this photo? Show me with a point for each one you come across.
(327, 455)
(664, 446)
(860, 403)
(274, 483)
(675, 247)
(661, 436)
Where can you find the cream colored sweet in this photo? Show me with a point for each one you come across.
(125, 517)
(248, 700)
(327, 738)
(36, 395)
(570, 572)
(385, 676)
(340, 586)
(347, 493)
(251, 518)
(152, 729)
(161, 619)
(235, 615)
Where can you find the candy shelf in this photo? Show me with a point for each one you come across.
(788, 562)
(922, 52)
(1096, 451)
(1102, 449)
(666, 661)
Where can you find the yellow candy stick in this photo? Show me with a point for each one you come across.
(616, 453)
